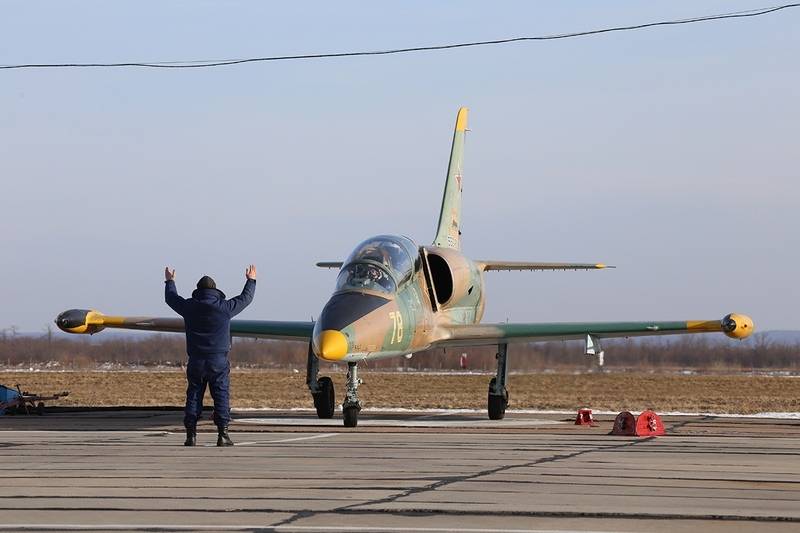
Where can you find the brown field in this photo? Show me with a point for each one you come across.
(282, 389)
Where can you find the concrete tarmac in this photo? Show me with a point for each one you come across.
(111, 470)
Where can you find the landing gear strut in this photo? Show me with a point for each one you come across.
(498, 393)
(321, 388)
(351, 405)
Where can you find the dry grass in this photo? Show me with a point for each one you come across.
(281, 389)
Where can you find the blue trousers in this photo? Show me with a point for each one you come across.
(214, 370)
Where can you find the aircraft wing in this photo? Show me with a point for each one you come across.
(733, 325)
(524, 265)
(86, 321)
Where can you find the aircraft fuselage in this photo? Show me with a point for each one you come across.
(379, 310)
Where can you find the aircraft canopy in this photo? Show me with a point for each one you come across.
(379, 263)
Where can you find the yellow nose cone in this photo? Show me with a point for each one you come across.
(332, 345)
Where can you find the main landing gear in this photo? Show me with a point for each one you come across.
(321, 388)
(498, 393)
(322, 391)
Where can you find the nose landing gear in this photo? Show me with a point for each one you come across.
(351, 406)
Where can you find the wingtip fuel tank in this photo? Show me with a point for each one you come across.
(80, 321)
(737, 326)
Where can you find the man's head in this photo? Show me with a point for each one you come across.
(206, 282)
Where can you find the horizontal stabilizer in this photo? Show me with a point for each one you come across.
(524, 265)
(330, 264)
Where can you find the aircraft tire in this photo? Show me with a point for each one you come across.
(351, 416)
(497, 403)
(324, 400)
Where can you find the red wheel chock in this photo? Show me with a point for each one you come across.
(584, 418)
(624, 424)
(647, 424)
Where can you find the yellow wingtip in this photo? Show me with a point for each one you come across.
(81, 321)
(461, 120)
(738, 326)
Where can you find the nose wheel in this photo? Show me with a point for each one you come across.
(351, 406)
(351, 416)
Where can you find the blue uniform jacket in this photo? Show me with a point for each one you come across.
(207, 316)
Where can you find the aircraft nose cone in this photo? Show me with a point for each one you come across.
(332, 345)
(341, 312)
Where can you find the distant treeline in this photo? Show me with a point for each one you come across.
(689, 352)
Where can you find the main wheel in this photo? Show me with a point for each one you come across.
(351, 416)
(497, 403)
(324, 400)
(40, 408)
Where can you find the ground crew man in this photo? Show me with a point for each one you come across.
(207, 316)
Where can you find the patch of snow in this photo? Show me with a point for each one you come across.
(771, 415)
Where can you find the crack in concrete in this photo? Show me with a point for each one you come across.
(449, 480)
(676, 425)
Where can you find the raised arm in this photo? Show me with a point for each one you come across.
(171, 296)
(237, 304)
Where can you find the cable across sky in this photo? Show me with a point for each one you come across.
(205, 63)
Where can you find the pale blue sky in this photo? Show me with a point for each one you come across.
(669, 152)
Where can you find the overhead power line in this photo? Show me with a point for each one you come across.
(203, 63)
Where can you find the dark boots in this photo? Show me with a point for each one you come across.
(191, 437)
(223, 439)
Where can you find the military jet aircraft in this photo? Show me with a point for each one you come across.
(393, 298)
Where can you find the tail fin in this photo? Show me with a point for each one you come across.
(448, 234)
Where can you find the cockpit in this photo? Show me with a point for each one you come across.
(381, 264)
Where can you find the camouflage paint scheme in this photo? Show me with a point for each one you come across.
(437, 302)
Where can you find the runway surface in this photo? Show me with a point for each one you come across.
(396, 472)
